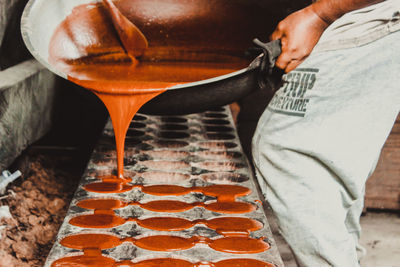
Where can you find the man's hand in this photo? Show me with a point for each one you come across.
(299, 33)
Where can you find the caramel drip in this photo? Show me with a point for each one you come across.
(122, 108)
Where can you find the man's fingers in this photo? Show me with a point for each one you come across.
(287, 63)
(280, 63)
(292, 65)
(277, 34)
(283, 60)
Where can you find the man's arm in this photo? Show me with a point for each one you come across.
(301, 30)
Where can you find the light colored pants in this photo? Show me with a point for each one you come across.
(319, 140)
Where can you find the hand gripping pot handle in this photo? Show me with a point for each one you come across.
(271, 52)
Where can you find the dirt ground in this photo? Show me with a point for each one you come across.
(381, 237)
(38, 202)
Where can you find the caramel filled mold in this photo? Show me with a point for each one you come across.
(177, 193)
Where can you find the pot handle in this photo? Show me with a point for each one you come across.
(271, 52)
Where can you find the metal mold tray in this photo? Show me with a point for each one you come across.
(192, 150)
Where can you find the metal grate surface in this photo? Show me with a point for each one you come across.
(196, 150)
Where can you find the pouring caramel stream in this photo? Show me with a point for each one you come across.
(97, 46)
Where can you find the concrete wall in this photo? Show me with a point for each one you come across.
(26, 103)
(27, 90)
(12, 48)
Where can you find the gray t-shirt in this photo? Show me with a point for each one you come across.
(361, 26)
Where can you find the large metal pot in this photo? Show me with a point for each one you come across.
(178, 30)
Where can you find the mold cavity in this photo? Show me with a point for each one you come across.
(217, 145)
(137, 125)
(216, 121)
(130, 153)
(173, 119)
(129, 174)
(107, 141)
(165, 165)
(103, 161)
(97, 173)
(224, 177)
(128, 161)
(108, 154)
(139, 118)
(218, 155)
(165, 177)
(216, 115)
(174, 135)
(219, 166)
(219, 136)
(134, 133)
(105, 148)
(218, 129)
(167, 154)
(101, 173)
(174, 127)
(131, 141)
(168, 143)
(217, 109)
